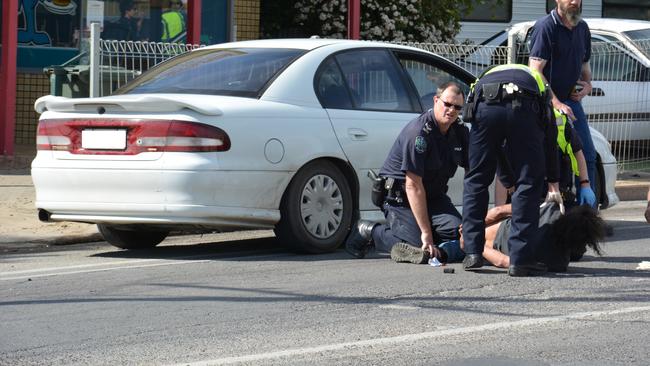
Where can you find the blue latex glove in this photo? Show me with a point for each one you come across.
(587, 197)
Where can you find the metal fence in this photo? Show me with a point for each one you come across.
(619, 104)
(618, 107)
(121, 61)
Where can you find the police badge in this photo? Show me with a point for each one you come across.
(420, 144)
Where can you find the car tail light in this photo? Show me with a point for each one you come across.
(140, 136)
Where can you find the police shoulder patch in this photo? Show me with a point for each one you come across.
(420, 144)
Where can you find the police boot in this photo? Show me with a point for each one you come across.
(359, 241)
(472, 262)
(405, 253)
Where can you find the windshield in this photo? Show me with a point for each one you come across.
(236, 72)
(641, 39)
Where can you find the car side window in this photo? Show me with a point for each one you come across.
(609, 62)
(426, 78)
(330, 86)
(374, 81)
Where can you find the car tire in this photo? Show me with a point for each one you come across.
(132, 239)
(316, 210)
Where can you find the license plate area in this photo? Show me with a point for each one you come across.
(103, 139)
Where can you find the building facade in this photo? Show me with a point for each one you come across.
(53, 32)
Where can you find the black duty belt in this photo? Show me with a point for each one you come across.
(497, 92)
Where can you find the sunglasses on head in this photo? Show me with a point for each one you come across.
(451, 105)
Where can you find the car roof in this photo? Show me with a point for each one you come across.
(616, 25)
(303, 43)
(605, 24)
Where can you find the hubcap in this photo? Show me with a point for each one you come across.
(321, 206)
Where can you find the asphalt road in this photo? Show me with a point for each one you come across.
(242, 298)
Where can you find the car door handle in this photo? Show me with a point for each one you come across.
(596, 92)
(357, 134)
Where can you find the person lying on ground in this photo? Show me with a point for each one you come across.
(562, 237)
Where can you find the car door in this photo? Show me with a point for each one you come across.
(368, 102)
(617, 105)
(370, 94)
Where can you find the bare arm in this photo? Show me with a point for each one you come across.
(418, 201)
(585, 81)
(495, 257)
(538, 64)
(582, 168)
(497, 214)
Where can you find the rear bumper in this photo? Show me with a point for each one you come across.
(147, 193)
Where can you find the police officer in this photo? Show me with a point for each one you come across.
(509, 103)
(419, 214)
(173, 22)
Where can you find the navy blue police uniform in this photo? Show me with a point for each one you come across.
(509, 104)
(423, 150)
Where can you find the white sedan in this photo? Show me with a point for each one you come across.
(261, 134)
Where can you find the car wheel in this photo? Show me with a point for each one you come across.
(316, 210)
(132, 239)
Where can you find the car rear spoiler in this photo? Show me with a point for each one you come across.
(127, 103)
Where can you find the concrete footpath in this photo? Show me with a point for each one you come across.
(20, 228)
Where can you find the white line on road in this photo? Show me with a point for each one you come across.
(408, 338)
(173, 263)
(70, 270)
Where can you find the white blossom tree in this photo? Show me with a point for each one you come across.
(397, 20)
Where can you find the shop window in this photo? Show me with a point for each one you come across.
(49, 23)
(144, 20)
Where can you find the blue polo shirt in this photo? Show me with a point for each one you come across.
(423, 150)
(564, 49)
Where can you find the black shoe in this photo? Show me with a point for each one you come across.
(402, 252)
(472, 261)
(525, 270)
(359, 241)
(609, 230)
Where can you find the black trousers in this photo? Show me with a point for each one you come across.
(519, 125)
(401, 225)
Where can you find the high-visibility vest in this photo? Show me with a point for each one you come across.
(173, 25)
(562, 143)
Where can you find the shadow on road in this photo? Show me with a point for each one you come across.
(627, 230)
(246, 249)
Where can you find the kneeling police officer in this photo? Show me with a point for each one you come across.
(509, 104)
(419, 214)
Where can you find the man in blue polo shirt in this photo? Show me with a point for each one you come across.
(560, 49)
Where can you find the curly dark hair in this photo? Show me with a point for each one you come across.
(579, 229)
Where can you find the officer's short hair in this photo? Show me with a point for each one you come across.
(455, 88)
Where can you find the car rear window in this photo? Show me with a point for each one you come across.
(236, 72)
